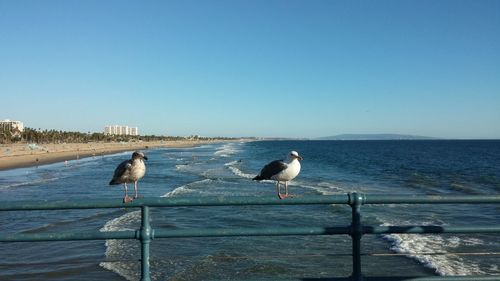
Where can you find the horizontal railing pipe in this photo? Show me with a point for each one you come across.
(67, 236)
(171, 202)
(430, 199)
(438, 278)
(430, 229)
(243, 200)
(224, 232)
(276, 231)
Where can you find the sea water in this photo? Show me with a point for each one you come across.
(329, 167)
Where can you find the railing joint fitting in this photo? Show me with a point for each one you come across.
(356, 199)
(145, 234)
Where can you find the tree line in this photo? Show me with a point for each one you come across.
(31, 135)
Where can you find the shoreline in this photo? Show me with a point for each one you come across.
(14, 156)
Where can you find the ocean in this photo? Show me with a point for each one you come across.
(458, 167)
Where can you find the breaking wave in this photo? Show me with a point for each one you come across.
(233, 167)
(422, 248)
(227, 150)
(119, 251)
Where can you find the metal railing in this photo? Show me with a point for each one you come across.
(356, 229)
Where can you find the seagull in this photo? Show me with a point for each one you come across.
(130, 171)
(281, 171)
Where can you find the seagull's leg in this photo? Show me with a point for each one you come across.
(126, 199)
(281, 196)
(278, 189)
(135, 188)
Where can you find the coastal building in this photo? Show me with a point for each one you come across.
(11, 125)
(134, 131)
(121, 130)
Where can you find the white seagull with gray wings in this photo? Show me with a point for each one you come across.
(281, 171)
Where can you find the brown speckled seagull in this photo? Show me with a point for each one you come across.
(130, 171)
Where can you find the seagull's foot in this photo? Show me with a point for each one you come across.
(127, 199)
(282, 196)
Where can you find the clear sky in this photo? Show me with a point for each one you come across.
(253, 67)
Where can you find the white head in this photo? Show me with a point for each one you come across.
(139, 155)
(294, 155)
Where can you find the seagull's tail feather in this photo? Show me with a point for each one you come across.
(258, 178)
(113, 182)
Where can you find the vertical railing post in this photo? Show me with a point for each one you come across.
(145, 235)
(355, 201)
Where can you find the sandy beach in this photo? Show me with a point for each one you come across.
(27, 155)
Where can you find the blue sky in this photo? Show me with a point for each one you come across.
(253, 68)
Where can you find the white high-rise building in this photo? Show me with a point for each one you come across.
(11, 125)
(121, 130)
(134, 131)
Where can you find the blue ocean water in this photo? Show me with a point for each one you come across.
(329, 167)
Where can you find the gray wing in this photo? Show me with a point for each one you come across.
(121, 172)
(272, 169)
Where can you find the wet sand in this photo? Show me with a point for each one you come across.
(27, 155)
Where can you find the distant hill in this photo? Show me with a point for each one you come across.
(375, 137)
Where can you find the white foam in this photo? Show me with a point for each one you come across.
(117, 249)
(413, 246)
(226, 150)
(324, 188)
(34, 182)
(182, 167)
(117, 223)
(240, 173)
(122, 249)
(231, 163)
(185, 188)
(180, 190)
(235, 170)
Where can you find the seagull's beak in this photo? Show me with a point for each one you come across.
(145, 158)
(300, 158)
